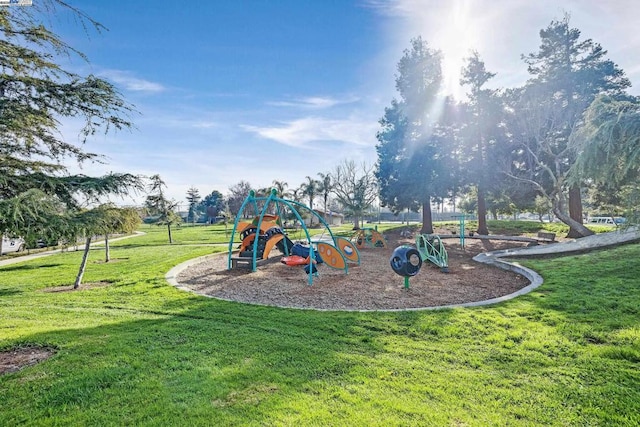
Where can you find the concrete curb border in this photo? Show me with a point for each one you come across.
(489, 258)
(532, 276)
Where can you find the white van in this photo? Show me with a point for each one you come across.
(606, 220)
(12, 244)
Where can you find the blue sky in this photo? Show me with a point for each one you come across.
(231, 90)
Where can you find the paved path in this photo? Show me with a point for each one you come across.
(23, 258)
(577, 245)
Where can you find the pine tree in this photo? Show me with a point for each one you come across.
(567, 75)
(411, 159)
(36, 93)
(193, 198)
(160, 207)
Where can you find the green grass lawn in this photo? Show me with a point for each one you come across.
(139, 352)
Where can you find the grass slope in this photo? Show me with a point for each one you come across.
(140, 352)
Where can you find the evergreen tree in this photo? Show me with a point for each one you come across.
(410, 163)
(213, 204)
(481, 135)
(607, 146)
(193, 198)
(389, 168)
(33, 215)
(607, 143)
(567, 75)
(36, 93)
(160, 207)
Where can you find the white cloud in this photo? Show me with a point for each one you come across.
(301, 132)
(314, 102)
(132, 83)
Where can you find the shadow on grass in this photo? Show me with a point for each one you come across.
(5, 292)
(161, 245)
(235, 364)
(192, 360)
(218, 359)
(28, 267)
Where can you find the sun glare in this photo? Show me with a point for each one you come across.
(454, 27)
(456, 39)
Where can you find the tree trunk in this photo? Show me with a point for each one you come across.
(107, 254)
(574, 225)
(427, 220)
(575, 210)
(83, 264)
(482, 213)
(169, 230)
(356, 222)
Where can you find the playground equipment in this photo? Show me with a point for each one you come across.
(431, 249)
(347, 249)
(406, 261)
(268, 233)
(368, 237)
(261, 235)
(461, 219)
(301, 255)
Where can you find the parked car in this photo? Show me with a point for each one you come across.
(607, 220)
(44, 243)
(12, 244)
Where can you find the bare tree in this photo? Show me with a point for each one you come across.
(355, 188)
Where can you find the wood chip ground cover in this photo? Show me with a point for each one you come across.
(370, 286)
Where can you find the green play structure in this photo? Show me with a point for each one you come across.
(461, 219)
(265, 232)
(431, 249)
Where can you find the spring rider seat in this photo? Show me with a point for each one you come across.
(406, 261)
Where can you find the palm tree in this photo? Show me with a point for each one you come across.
(281, 186)
(325, 188)
(296, 193)
(311, 190)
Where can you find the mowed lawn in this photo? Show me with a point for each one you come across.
(136, 351)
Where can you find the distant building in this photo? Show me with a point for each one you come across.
(330, 217)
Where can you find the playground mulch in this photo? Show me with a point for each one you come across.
(370, 286)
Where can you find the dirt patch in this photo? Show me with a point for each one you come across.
(370, 286)
(17, 358)
(82, 287)
(111, 261)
